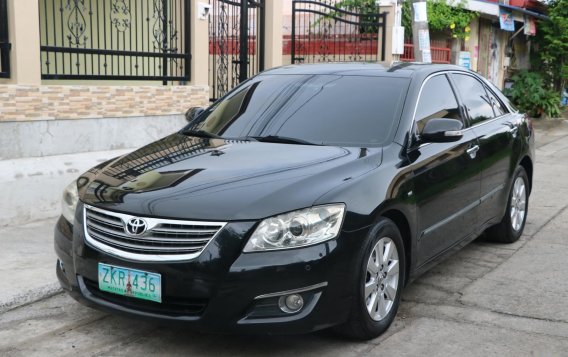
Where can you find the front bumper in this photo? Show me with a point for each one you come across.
(224, 290)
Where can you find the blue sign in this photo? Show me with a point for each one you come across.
(506, 19)
(464, 59)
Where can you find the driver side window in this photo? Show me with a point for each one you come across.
(437, 100)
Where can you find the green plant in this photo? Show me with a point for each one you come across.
(550, 46)
(367, 9)
(530, 95)
(362, 6)
(550, 104)
(451, 17)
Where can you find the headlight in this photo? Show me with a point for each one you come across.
(297, 229)
(69, 202)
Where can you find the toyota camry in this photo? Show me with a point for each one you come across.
(306, 198)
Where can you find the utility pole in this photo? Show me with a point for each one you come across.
(420, 32)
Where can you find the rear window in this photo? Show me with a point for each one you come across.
(324, 109)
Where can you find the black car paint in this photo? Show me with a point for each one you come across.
(423, 188)
(253, 180)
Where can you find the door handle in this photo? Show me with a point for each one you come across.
(513, 128)
(472, 151)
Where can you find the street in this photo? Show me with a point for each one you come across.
(488, 299)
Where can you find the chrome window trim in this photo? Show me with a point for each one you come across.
(469, 127)
(487, 121)
(294, 291)
(486, 87)
(152, 222)
(490, 86)
(418, 100)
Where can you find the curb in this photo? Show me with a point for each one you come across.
(30, 296)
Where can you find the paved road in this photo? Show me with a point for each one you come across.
(488, 299)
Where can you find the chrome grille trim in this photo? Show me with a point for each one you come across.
(165, 240)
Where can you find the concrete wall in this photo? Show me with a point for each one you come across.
(59, 137)
(32, 187)
(39, 158)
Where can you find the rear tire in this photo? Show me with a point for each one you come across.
(511, 227)
(380, 279)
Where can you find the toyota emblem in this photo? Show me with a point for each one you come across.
(136, 226)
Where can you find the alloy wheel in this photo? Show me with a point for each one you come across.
(381, 283)
(518, 204)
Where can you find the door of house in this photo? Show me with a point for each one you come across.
(484, 49)
(236, 38)
(489, 51)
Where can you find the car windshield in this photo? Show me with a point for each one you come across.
(335, 110)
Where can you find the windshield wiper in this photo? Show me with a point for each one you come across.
(282, 139)
(201, 134)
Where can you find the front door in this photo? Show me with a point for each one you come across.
(447, 176)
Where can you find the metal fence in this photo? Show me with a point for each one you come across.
(236, 38)
(4, 41)
(115, 39)
(441, 52)
(322, 31)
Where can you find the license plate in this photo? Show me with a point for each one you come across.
(130, 282)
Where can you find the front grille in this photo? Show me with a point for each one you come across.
(162, 240)
(169, 305)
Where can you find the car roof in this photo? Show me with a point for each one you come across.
(400, 69)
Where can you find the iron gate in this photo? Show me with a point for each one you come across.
(324, 31)
(115, 39)
(236, 38)
(4, 41)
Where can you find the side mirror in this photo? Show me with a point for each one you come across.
(439, 130)
(193, 113)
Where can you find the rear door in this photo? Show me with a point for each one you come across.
(496, 131)
(446, 175)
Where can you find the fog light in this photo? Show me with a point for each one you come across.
(291, 303)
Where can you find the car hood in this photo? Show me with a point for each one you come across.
(215, 179)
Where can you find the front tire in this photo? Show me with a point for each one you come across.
(511, 227)
(380, 279)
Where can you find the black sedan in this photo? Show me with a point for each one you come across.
(304, 199)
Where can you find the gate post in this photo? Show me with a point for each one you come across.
(272, 36)
(293, 35)
(23, 22)
(199, 46)
(389, 22)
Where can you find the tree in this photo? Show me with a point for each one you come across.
(451, 17)
(367, 10)
(550, 50)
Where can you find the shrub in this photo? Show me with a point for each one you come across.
(530, 95)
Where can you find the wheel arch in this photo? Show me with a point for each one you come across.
(527, 164)
(399, 218)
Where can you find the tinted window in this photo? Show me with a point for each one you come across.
(498, 107)
(323, 109)
(475, 98)
(437, 100)
(500, 95)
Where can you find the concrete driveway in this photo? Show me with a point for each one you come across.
(488, 299)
